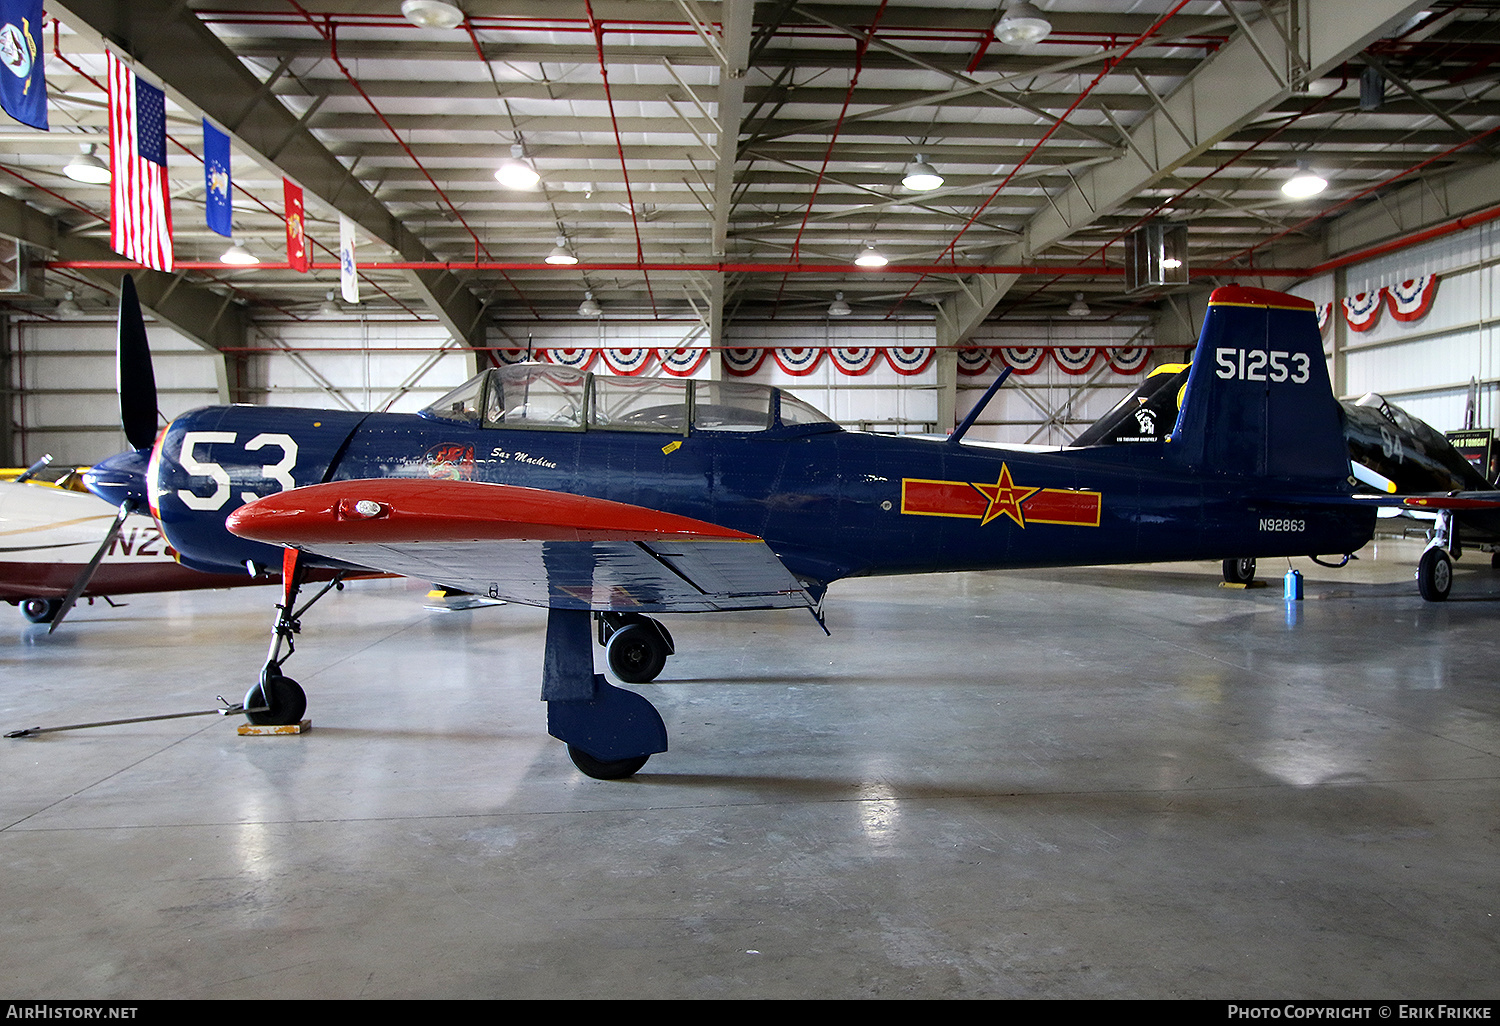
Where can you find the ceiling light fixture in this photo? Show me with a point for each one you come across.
(839, 308)
(1022, 25)
(237, 254)
(1079, 308)
(69, 306)
(1170, 262)
(330, 307)
(517, 172)
(1304, 183)
(871, 257)
(431, 14)
(87, 168)
(589, 308)
(561, 254)
(920, 176)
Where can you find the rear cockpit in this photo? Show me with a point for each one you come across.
(553, 397)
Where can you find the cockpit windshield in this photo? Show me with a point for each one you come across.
(535, 395)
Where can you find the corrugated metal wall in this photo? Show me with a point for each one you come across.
(1424, 366)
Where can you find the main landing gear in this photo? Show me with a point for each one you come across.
(610, 732)
(1435, 568)
(635, 646)
(1239, 571)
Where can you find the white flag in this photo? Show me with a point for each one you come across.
(348, 272)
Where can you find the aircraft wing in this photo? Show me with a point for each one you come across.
(527, 545)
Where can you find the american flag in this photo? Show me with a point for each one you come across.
(140, 215)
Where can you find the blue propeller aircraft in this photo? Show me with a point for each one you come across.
(609, 499)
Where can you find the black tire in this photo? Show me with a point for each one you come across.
(636, 653)
(1239, 571)
(40, 610)
(1434, 575)
(287, 702)
(1495, 560)
(600, 769)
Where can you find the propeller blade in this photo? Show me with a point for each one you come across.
(136, 380)
(87, 573)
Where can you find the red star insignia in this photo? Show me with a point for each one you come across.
(1005, 498)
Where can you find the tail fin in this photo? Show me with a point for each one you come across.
(1258, 401)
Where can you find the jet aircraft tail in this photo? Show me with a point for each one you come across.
(1258, 401)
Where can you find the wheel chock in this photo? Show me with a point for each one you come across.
(252, 730)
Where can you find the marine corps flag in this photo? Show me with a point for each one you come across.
(23, 86)
(296, 236)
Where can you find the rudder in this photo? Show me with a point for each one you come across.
(1258, 401)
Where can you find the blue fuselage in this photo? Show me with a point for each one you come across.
(829, 503)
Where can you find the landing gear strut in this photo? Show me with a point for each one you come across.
(1435, 569)
(276, 700)
(610, 732)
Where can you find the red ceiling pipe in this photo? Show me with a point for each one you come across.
(640, 252)
(331, 34)
(57, 52)
(1359, 195)
(725, 267)
(1109, 65)
(859, 60)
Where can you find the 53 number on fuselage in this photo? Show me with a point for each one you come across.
(1233, 364)
(280, 472)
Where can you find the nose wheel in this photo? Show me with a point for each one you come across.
(276, 701)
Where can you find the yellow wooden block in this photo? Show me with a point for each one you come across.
(253, 730)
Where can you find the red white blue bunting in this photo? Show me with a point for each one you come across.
(974, 361)
(578, 359)
(743, 362)
(854, 360)
(1022, 360)
(909, 359)
(1325, 318)
(1410, 300)
(1363, 311)
(1129, 360)
(1075, 359)
(797, 360)
(629, 362)
(682, 363)
(508, 356)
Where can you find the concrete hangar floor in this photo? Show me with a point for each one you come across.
(1120, 782)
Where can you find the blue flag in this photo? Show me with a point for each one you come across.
(23, 86)
(216, 181)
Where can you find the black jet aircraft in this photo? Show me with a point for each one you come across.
(1390, 453)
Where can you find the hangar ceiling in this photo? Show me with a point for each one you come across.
(731, 160)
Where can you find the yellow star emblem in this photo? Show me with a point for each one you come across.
(1005, 498)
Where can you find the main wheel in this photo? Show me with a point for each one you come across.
(1434, 575)
(287, 702)
(599, 769)
(1239, 571)
(41, 610)
(636, 653)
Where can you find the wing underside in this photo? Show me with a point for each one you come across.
(528, 546)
